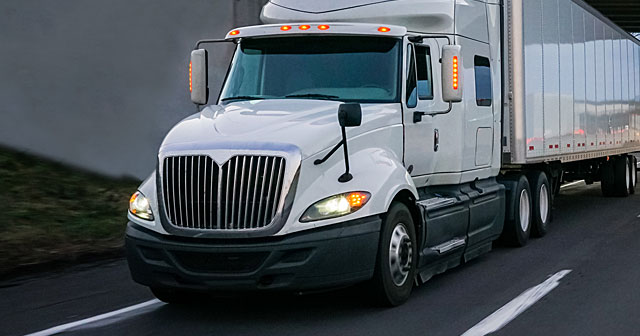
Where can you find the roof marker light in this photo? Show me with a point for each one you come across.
(285, 28)
(384, 29)
(323, 27)
(304, 27)
(234, 32)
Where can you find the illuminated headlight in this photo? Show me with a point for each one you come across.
(336, 206)
(139, 206)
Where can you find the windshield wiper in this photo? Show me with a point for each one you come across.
(241, 98)
(312, 95)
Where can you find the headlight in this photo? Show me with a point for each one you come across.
(140, 207)
(336, 206)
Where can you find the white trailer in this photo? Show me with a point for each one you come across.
(384, 141)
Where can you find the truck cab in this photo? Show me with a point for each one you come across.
(352, 141)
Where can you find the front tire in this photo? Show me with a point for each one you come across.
(397, 257)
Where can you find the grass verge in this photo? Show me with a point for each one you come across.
(50, 213)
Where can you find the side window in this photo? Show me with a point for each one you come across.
(412, 91)
(484, 92)
(423, 63)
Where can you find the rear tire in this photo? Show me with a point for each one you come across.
(633, 168)
(542, 202)
(516, 231)
(397, 257)
(607, 178)
(622, 179)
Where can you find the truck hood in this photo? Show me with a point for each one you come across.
(310, 125)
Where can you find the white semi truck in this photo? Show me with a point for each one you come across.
(384, 142)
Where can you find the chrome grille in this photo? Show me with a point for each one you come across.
(242, 194)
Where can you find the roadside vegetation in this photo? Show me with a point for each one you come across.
(51, 214)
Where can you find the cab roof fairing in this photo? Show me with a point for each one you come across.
(334, 28)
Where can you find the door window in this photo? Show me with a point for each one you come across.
(483, 81)
(425, 79)
(412, 90)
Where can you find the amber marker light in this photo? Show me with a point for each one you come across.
(455, 72)
(285, 28)
(234, 32)
(190, 77)
(384, 29)
(357, 199)
(323, 27)
(304, 27)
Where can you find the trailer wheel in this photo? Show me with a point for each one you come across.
(397, 257)
(517, 230)
(633, 169)
(622, 179)
(607, 178)
(542, 202)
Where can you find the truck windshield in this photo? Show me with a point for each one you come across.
(347, 68)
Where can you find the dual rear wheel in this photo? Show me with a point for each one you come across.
(531, 208)
(619, 176)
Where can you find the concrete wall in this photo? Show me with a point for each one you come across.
(97, 84)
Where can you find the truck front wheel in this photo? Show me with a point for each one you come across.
(397, 255)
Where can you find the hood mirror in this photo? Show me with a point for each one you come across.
(349, 115)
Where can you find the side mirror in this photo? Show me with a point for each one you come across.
(198, 79)
(350, 115)
(451, 74)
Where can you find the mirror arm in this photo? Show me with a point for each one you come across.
(417, 116)
(419, 38)
(346, 177)
(326, 157)
(210, 41)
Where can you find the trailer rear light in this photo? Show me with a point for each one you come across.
(190, 77)
(234, 32)
(455, 72)
(304, 27)
(384, 29)
(323, 27)
(285, 28)
(531, 148)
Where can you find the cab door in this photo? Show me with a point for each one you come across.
(421, 139)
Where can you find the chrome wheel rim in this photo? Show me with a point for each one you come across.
(544, 203)
(524, 210)
(400, 255)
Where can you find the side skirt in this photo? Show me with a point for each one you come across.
(461, 222)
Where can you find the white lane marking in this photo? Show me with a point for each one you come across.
(65, 327)
(515, 307)
(571, 184)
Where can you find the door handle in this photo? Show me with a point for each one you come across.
(436, 140)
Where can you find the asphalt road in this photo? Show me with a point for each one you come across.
(596, 238)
